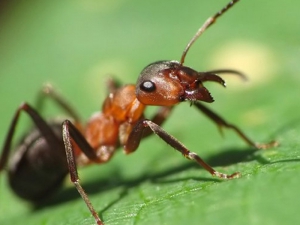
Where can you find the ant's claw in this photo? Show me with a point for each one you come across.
(226, 176)
(271, 144)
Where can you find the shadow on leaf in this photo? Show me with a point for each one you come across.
(114, 180)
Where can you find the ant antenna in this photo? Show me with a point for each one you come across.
(207, 24)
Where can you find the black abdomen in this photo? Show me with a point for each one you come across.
(38, 168)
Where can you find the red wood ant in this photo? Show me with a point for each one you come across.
(51, 150)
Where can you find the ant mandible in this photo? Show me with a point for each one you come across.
(51, 151)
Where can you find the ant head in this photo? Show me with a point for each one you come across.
(166, 83)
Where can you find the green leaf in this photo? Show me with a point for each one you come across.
(77, 45)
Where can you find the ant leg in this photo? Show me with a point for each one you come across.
(136, 135)
(48, 91)
(112, 85)
(73, 139)
(41, 124)
(222, 123)
(159, 118)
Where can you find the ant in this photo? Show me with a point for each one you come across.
(51, 151)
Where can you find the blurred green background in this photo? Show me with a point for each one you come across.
(77, 45)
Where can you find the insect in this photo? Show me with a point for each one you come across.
(53, 150)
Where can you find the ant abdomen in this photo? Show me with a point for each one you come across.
(36, 170)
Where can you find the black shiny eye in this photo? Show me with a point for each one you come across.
(147, 86)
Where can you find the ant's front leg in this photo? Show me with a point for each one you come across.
(137, 134)
(222, 123)
(159, 118)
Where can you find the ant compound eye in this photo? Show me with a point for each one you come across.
(148, 86)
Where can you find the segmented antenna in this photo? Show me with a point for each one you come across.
(207, 24)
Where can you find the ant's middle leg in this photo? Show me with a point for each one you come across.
(137, 134)
(222, 123)
(49, 92)
(74, 141)
(112, 85)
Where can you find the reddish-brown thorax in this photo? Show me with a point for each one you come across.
(108, 129)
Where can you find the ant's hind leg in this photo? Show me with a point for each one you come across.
(39, 122)
(222, 123)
